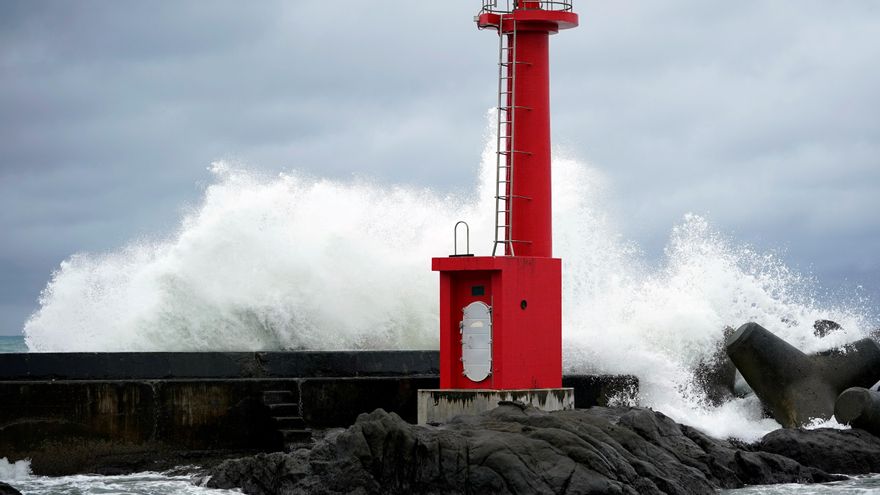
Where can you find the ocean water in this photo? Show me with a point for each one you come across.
(856, 485)
(13, 343)
(18, 474)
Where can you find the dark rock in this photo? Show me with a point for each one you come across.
(265, 473)
(859, 408)
(821, 328)
(8, 490)
(798, 388)
(837, 451)
(515, 449)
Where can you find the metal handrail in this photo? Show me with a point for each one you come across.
(467, 233)
(508, 6)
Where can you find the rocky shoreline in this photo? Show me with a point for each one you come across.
(516, 449)
(8, 490)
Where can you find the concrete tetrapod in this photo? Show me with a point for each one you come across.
(798, 388)
(859, 408)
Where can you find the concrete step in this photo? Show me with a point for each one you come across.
(284, 409)
(290, 423)
(278, 397)
(296, 436)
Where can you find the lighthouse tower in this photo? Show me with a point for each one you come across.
(501, 315)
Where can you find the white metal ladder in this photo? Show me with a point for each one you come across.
(506, 142)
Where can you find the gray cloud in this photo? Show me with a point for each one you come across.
(761, 114)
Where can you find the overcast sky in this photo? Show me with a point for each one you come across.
(764, 116)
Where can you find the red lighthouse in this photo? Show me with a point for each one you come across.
(501, 315)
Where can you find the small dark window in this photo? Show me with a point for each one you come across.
(478, 290)
(523, 304)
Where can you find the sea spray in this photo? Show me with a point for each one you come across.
(264, 263)
(297, 262)
(14, 471)
(660, 323)
(146, 483)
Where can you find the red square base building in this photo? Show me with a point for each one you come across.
(500, 322)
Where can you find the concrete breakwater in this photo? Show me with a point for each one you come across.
(118, 412)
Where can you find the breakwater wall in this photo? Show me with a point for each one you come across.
(106, 412)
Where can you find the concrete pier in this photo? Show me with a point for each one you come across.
(119, 412)
(207, 365)
(88, 412)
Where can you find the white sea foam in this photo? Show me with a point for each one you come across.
(14, 471)
(146, 483)
(825, 423)
(291, 262)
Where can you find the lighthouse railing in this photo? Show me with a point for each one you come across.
(508, 6)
